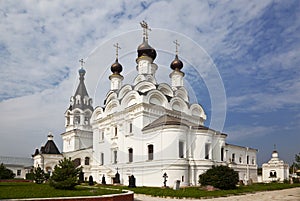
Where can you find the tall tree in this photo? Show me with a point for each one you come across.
(297, 160)
(65, 175)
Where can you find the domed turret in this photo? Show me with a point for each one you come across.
(176, 64)
(177, 75)
(274, 154)
(116, 68)
(145, 49)
(81, 72)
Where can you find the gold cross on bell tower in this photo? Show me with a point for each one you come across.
(146, 28)
(117, 49)
(81, 63)
(176, 46)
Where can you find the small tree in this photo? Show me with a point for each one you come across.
(221, 177)
(6, 173)
(297, 161)
(39, 175)
(65, 175)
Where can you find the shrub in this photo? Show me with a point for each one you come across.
(39, 175)
(6, 173)
(296, 180)
(221, 177)
(65, 175)
(29, 176)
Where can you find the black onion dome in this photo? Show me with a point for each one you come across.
(116, 68)
(145, 49)
(81, 72)
(176, 64)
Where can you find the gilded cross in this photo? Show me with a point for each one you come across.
(146, 28)
(81, 62)
(117, 49)
(176, 46)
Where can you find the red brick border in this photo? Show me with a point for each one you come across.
(127, 196)
(15, 180)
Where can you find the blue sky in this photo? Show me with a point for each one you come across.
(254, 45)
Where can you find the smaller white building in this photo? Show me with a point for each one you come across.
(19, 165)
(275, 169)
(48, 156)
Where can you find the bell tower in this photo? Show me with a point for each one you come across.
(146, 56)
(78, 133)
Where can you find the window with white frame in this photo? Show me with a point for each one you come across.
(181, 149)
(101, 158)
(115, 156)
(87, 161)
(150, 151)
(130, 155)
(233, 157)
(207, 150)
(116, 131)
(130, 127)
(222, 154)
(102, 136)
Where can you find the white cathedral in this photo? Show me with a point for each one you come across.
(145, 129)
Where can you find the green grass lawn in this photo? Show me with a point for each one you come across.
(10, 190)
(31, 190)
(197, 192)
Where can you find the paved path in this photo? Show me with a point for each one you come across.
(292, 194)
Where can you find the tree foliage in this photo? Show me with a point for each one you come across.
(6, 173)
(296, 164)
(39, 175)
(65, 175)
(221, 177)
(297, 160)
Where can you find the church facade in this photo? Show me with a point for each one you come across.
(147, 129)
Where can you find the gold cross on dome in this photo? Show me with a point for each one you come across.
(117, 49)
(81, 63)
(176, 46)
(146, 28)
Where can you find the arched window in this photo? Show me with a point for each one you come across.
(116, 131)
(77, 162)
(207, 151)
(130, 155)
(181, 149)
(222, 154)
(87, 161)
(115, 156)
(76, 118)
(150, 151)
(233, 157)
(273, 174)
(130, 127)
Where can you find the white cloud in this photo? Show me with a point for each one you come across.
(287, 94)
(244, 132)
